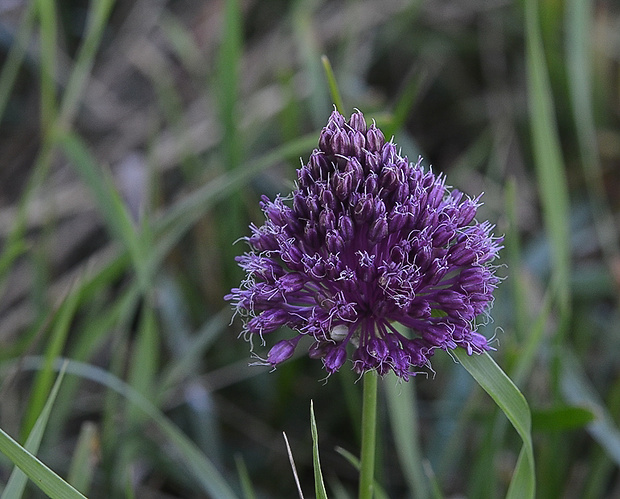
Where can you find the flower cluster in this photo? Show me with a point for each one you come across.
(368, 240)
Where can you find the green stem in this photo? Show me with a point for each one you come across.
(369, 424)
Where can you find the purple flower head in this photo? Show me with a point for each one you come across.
(366, 241)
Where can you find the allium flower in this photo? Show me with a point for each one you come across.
(368, 240)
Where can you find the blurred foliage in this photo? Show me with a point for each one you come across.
(136, 138)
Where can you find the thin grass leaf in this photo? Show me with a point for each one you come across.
(48, 62)
(405, 102)
(579, 27)
(17, 481)
(15, 242)
(184, 365)
(338, 490)
(510, 400)
(48, 481)
(145, 357)
(45, 377)
(403, 413)
(84, 459)
(432, 478)
(319, 484)
(202, 469)
(108, 202)
(379, 491)
(230, 214)
(548, 157)
(513, 250)
(228, 81)
(175, 222)
(244, 478)
(333, 86)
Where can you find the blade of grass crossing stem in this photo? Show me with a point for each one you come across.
(201, 468)
(333, 85)
(403, 413)
(379, 492)
(84, 459)
(510, 400)
(44, 378)
(17, 481)
(548, 158)
(319, 485)
(108, 201)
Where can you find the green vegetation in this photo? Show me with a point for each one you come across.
(136, 141)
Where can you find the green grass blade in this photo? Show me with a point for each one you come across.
(406, 100)
(84, 458)
(190, 360)
(510, 400)
(579, 27)
(403, 413)
(319, 485)
(244, 478)
(227, 87)
(175, 223)
(108, 201)
(145, 357)
(547, 155)
(228, 81)
(333, 85)
(48, 62)
(48, 481)
(44, 378)
(202, 469)
(18, 479)
(356, 463)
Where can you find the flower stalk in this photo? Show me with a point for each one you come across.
(369, 431)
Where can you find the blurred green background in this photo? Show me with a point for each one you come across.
(136, 138)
